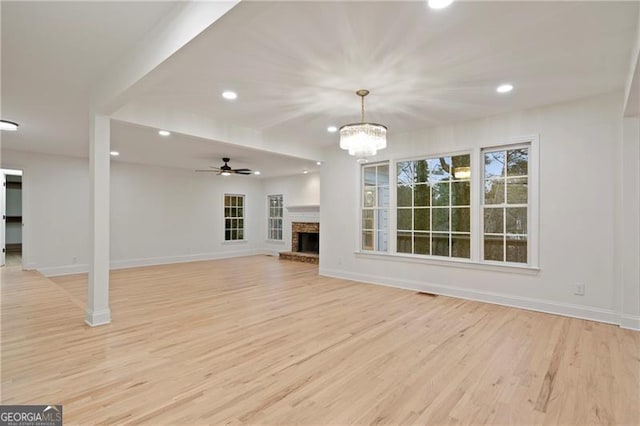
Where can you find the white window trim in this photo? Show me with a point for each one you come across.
(533, 208)
(476, 262)
(271, 240)
(244, 218)
(360, 206)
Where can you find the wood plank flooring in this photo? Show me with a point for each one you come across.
(258, 340)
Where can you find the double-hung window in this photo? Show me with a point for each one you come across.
(233, 217)
(433, 215)
(275, 217)
(506, 204)
(375, 207)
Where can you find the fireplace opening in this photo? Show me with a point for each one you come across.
(309, 242)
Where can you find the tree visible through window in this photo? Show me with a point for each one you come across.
(506, 204)
(233, 217)
(275, 217)
(433, 206)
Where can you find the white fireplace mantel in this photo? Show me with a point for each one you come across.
(304, 213)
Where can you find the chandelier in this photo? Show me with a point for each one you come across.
(363, 139)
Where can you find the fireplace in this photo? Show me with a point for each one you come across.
(305, 242)
(309, 242)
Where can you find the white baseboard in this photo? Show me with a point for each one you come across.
(631, 322)
(539, 305)
(96, 318)
(55, 271)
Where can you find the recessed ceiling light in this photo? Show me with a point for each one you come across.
(257, 172)
(319, 163)
(228, 94)
(164, 132)
(504, 88)
(332, 129)
(8, 125)
(305, 171)
(439, 4)
(114, 153)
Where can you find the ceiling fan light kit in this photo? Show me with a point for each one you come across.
(363, 139)
(226, 170)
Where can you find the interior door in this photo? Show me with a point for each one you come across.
(3, 211)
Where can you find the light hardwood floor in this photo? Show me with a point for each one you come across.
(258, 340)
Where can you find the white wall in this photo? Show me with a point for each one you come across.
(579, 158)
(630, 232)
(158, 215)
(298, 190)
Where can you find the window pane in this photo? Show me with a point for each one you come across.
(227, 212)
(240, 212)
(494, 164)
(367, 219)
(440, 219)
(517, 192)
(517, 162)
(367, 240)
(494, 221)
(494, 191)
(439, 169)
(383, 175)
(493, 248)
(405, 173)
(241, 223)
(404, 219)
(240, 234)
(227, 200)
(440, 194)
(234, 234)
(421, 219)
(461, 246)
(440, 244)
(382, 217)
(421, 242)
(369, 196)
(517, 249)
(460, 219)
(404, 196)
(227, 234)
(404, 242)
(241, 201)
(421, 171)
(421, 195)
(516, 220)
(370, 175)
(461, 193)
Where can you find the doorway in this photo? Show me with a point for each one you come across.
(11, 210)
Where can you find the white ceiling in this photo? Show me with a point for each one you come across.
(52, 53)
(143, 145)
(295, 66)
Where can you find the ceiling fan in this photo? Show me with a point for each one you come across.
(226, 170)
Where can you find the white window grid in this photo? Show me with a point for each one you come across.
(275, 215)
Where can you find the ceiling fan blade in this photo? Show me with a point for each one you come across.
(242, 172)
(208, 171)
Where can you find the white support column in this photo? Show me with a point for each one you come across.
(98, 312)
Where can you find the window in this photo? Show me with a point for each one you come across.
(434, 206)
(275, 217)
(233, 217)
(506, 204)
(375, 207)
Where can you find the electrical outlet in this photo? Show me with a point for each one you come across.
(579, 290)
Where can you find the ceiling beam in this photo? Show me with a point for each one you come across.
(183, 24)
